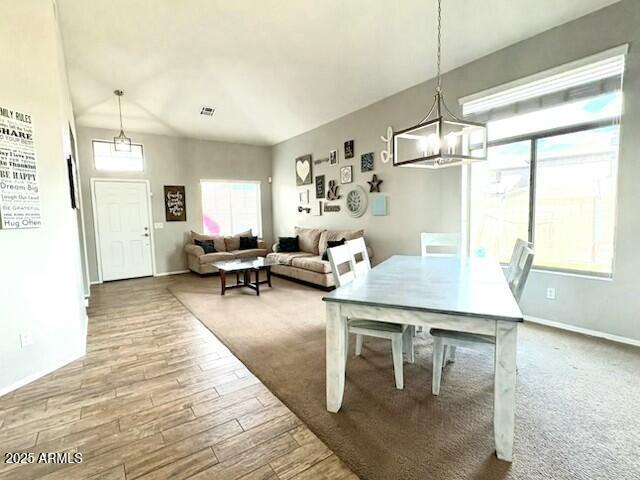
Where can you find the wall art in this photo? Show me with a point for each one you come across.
(379, 205)
(346, 174)
(175, 203)
(19, 192)
(319, 186)
(356, 201)
(320, 160)
(304, 209)
(303, 197)
(333, 157)
(374, 184)
(331, 208)
(386, 154)
(349, 151)
(316, 209)
(366, 162)
(332, 191)
(303, 170)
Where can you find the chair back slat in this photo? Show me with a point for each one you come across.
(360, 256)
(515, 256)
(431, 241)
(341, 262)
(520, 273)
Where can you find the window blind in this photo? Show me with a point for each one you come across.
(582, 79)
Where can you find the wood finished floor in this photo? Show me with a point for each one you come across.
(157, 397)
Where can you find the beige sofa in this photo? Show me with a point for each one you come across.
(227, 248)
(307, 264)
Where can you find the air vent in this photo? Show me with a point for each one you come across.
(207, 111)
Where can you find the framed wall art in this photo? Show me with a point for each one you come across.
(175, 204)
(333, 157)
(303, 170)
(320, 187)
(366, 162)
(346, 174)
(349, 151)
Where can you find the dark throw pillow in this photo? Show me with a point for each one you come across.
(332, 243)
(247, 243)
(288, 244)
(207, 245)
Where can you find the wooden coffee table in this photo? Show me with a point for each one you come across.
(245, 269)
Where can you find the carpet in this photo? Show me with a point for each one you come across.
(577, 414)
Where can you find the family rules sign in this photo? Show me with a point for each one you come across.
(19, 194)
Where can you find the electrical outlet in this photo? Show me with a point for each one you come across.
(26, 339)
(551, 293)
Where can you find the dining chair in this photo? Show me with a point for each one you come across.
(344, 267)
(446, 341)
(432, 244)
(515, 256)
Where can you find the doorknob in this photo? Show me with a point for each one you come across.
(145, 234)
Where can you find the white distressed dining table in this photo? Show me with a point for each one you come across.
(464, 294)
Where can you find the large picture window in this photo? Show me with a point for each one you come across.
(550, 178)
(230, 207)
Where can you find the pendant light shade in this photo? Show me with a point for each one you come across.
(121, 143)
(440, 139)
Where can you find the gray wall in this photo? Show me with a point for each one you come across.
(176, 161)
(41, 290)
(422, 200)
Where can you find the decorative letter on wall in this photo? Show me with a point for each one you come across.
(386, 155)
(175, 204)
(19, 193)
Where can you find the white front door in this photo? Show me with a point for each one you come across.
(123, 227)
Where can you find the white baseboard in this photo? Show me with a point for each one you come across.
(95, 282)
(584, 331)
(177, 272)
(33, 377)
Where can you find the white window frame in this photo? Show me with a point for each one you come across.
(95, 167)
(222, 180)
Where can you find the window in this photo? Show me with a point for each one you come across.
(550, 175)
(105, 157)
(230, 207)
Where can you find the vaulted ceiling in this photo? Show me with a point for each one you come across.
(273, 68)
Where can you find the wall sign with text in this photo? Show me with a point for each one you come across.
(19, 193)
(175, 203)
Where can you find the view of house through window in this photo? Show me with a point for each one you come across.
(551, 178)
(230, 207)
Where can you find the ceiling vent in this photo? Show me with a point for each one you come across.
(207, 111)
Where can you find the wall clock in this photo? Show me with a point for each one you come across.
(356, 201)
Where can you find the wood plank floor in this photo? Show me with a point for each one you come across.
(157, 397)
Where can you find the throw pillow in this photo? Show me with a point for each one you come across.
(288, 244)
(207, 245)
(332, 243)
(248, 242)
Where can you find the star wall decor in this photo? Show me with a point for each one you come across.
(374, 184)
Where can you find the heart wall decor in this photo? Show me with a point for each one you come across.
(303, 170)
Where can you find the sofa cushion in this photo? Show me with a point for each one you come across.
(247, 243)
(285, 258)
(218, 240)
(250, 252)
(309, 238)
(288, 244)
(216, 257)
(334, 235)
(233, 242)
(314, 264)
(331, 244)
(208, 246)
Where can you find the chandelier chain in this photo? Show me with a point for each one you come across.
(120, 110)
(439, 84)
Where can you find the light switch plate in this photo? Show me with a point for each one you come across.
(158, 225)
(26, 339)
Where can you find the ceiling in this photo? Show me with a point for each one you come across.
(273, 68)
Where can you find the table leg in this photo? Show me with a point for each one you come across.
(269, 276)
(257, 282)
(505, 388)
(336, 358)
(223, 282)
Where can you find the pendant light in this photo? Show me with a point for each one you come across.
(121, 143)
(440, 139)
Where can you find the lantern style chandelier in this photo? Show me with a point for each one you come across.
(121, 143)
(440, 139)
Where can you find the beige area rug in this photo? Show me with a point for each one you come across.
(578, 398)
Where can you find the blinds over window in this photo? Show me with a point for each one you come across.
(579, 80)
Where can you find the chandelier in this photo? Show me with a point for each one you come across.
(440, 139)
(121, 143)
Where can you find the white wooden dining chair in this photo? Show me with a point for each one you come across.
(345, 270)
(515, 256)
(358, 249)
(433, 244)
(446, 341)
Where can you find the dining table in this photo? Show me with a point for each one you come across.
(458, 293)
